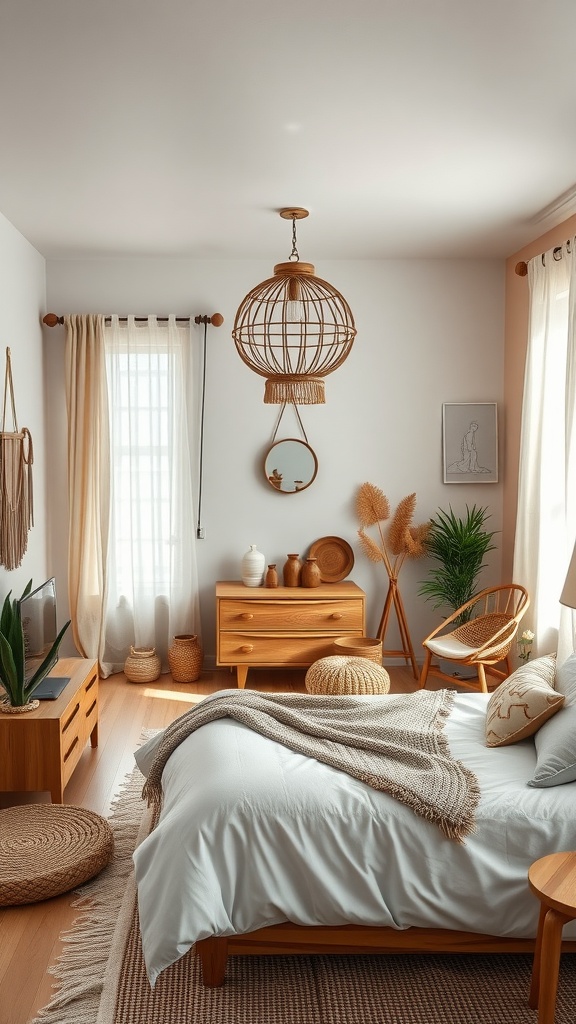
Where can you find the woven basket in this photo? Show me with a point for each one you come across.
(142, 665)
(359, 647)
(185, 658)
(47, 849)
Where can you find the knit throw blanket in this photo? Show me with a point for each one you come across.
(393, 743)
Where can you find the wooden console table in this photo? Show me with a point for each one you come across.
(284, 627)
(40, 749)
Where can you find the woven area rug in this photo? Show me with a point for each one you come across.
(101, 977)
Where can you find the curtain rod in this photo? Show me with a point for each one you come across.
(522, 268)
(51, 319)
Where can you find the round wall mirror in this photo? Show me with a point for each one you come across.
(290, 466)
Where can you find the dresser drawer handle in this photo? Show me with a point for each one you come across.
(91, 709)
(246, 648)
(71, 719)
(91, 683)
(246, 616)
(70, 748)
(336, 615)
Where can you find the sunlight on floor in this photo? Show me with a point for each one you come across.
(185, 698)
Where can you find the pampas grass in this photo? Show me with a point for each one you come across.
(400, 539)
(397, 539)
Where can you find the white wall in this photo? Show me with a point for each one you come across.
(429, 332)
(22, 305)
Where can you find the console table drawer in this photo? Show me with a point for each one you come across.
(307, 616)
(276, 648)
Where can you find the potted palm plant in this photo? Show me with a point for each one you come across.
(18, 689)
(458, 545)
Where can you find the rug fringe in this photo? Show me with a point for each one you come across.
(81, 966)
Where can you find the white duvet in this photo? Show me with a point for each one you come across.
(253, 834)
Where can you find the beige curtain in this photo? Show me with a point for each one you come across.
(88, 479)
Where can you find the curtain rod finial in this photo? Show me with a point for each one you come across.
(51, 319)
(216, 319)
(521, 269)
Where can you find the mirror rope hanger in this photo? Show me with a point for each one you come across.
(294, 329)
(298, 417)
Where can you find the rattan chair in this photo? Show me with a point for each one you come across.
(483, 640)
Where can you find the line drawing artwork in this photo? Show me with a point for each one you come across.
(470, 442)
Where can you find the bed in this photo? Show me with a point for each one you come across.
(260, 849)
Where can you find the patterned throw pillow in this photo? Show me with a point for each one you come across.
(522, 703)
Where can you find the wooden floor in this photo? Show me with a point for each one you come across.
(29, 935)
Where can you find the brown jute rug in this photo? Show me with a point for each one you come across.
(102, 978)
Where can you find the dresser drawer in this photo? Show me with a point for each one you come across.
(306, 615)
(78, 721)
(276, 648)
(72, 737)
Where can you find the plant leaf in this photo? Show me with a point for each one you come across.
(46, 665)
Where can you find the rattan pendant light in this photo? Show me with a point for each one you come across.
(294, 329)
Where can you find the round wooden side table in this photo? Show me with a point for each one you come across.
(553, 880)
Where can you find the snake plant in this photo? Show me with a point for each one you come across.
(12, 653)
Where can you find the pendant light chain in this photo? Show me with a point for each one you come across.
(294, 252)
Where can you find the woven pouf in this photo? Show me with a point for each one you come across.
(47, 849)
(340, 674)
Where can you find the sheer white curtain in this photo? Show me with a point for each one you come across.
(152, 585)
(546, 514)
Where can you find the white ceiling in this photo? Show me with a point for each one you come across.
(176, 128)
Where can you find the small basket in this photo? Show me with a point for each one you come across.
(359, 647)
(142, 665)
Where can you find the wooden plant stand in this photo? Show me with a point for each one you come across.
(394, 601)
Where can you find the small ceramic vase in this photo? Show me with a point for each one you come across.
(185, 658)
(253, 564)
(311, 573)
(292, 571)
(271, 577)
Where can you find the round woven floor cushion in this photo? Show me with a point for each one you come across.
(47, 849)
(341, 674)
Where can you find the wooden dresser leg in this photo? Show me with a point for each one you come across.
(241, 675)
(213, 955)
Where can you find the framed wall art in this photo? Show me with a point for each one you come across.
(470, 442)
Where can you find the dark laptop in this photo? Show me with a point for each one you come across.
(51, 687)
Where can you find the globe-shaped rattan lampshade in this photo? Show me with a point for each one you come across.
(294, 329)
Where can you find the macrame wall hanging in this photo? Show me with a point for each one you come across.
(16, 504)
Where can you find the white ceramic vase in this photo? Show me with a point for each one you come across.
(253, 565)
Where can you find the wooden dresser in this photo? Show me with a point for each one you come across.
(40, 749)
(284, 627)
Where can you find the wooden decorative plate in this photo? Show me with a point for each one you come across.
(334, 557)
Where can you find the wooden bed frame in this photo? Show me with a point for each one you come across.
(292, 939)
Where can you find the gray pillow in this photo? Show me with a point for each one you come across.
(555, 741)
(565, 681)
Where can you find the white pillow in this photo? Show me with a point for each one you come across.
(522, 703)
(556, 740)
